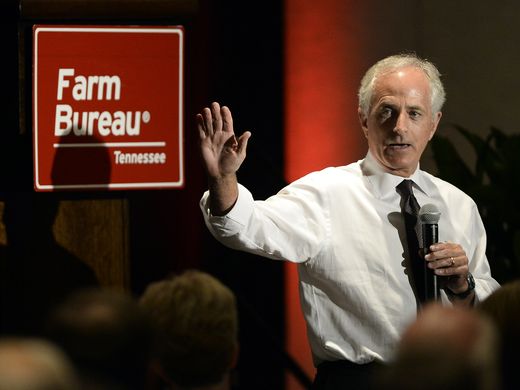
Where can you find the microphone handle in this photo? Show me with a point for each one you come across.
(430, 235)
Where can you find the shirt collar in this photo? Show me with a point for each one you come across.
(383, 183)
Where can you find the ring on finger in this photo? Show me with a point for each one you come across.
(452, 261)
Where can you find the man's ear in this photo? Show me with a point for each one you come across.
(436, 120)
(363, 121)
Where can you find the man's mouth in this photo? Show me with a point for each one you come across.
(398, 145)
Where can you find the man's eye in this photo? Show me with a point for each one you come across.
(386, 112)
(414, 114)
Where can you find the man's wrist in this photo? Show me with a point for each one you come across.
(470, 282)
(223, 194)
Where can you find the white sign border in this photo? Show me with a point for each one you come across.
(150, 185)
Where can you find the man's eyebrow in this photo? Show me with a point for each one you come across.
(415, 108)
(384, 104)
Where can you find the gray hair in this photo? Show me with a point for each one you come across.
(438, 96)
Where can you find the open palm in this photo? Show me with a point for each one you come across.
(221, 151)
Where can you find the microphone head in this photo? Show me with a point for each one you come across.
(429, 214)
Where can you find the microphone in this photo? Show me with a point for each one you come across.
(429, 216)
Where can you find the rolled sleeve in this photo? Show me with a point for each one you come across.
(235, 220)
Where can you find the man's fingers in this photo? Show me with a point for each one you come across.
(227, 119)
(207, 121)
(200, 126)
(242, 142)
(217, 117)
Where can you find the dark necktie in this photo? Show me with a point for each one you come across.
(410, 210)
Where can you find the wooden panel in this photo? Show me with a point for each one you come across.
(96, 232)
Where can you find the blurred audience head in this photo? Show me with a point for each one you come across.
(34, 364)
(445, 348)
(503, 308)
(196, 319)
(106, 335)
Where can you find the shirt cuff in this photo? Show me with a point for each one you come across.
(237, 217)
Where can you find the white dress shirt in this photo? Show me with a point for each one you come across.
(344, 228)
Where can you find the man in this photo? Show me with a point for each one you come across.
(344, 228)
(196, 320)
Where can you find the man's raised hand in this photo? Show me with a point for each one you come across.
(221, 151)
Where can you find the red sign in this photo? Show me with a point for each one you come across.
(107, 107)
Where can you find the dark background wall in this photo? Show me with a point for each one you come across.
(234, 55)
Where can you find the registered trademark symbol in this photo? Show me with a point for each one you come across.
(146, 117)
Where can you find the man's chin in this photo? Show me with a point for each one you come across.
(400, 167)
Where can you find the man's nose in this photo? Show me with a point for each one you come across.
(401, 123)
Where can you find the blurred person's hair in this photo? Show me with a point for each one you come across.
(196, 319)
(107, 336)
(34, 364)
(503, 308)
(446, 348)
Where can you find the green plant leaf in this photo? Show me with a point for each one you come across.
(494, 187)
(449, 164)
(483, 151)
